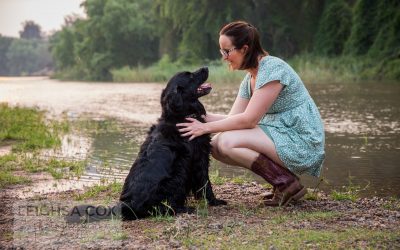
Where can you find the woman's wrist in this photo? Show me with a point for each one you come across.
(207, 128)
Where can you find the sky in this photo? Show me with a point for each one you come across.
(49, 14)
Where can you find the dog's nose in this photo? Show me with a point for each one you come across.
(204, 69)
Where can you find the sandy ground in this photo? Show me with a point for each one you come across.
(243, 223)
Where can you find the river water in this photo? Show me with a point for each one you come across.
(361, 123)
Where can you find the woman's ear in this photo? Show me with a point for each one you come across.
(244, 49)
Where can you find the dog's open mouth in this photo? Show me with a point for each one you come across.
(204, 89)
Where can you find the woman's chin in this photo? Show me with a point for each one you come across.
(232, 66)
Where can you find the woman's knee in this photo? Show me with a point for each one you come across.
(214, 146)
(225, 143)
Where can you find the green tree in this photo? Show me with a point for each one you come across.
(115, 34)
(386, 46)
(334, 28)
(31, 30)
(5, 43)
(386, 43)
(285, 27)
(27, 56)
(364, 28)
(195, 24)
(62, 48)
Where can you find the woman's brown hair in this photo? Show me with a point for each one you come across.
(242, 33)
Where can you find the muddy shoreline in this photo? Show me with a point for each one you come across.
(243, 214)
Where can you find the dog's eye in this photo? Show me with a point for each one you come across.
(179, 89)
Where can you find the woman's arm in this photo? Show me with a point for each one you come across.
(214, 117)
(258, 105)
(239, 106)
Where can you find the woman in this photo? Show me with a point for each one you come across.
(274, 127)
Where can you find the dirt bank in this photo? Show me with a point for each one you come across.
(243, 223)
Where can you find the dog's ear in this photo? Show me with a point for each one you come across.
(174, 100)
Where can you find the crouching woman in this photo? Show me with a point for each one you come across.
(274, 127)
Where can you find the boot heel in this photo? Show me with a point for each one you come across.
(290, 195)
(299, 195)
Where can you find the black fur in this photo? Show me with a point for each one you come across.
(169, 167)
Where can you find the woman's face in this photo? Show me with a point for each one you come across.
(229, 53)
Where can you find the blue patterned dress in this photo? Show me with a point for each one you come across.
(293, 122)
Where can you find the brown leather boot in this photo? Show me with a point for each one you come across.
(275, 200)
(274, 197)
(269, 195)
(281, 178)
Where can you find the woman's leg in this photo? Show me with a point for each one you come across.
(217, 154)
(242, 147)
(253, 149)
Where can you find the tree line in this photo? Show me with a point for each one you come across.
(27, 55)
(140, 32)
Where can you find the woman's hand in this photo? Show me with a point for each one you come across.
(194, 128)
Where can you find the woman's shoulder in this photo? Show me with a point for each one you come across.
(274, 68)
(271, 61)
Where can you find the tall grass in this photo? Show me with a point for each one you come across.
(27, 127)
(311, 69)
(317, 69)
(164, 69)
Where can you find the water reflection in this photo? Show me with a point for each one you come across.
(362, 137)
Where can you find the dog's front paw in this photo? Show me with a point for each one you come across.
(217, 202)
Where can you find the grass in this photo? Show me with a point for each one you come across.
(392, 203)
(120, 236)
(246, 226)
(34, 163)
(28, 128)
(28, 131)
(163, 216)
(331, 239)
(311, 69)
(311, 196)
(216, 178)
(164, 69)
(343, 69)
(7, 179)
(240, 236)
(351, 192)
(112, 189)
(241, 179)
(275, 230)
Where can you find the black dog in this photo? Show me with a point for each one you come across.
(169, 167)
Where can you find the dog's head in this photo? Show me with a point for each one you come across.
(180, 97)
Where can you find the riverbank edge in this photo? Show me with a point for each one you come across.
(245, 222)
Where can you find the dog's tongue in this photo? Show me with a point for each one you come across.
(205, 85)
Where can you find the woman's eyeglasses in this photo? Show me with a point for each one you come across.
(226, 52)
